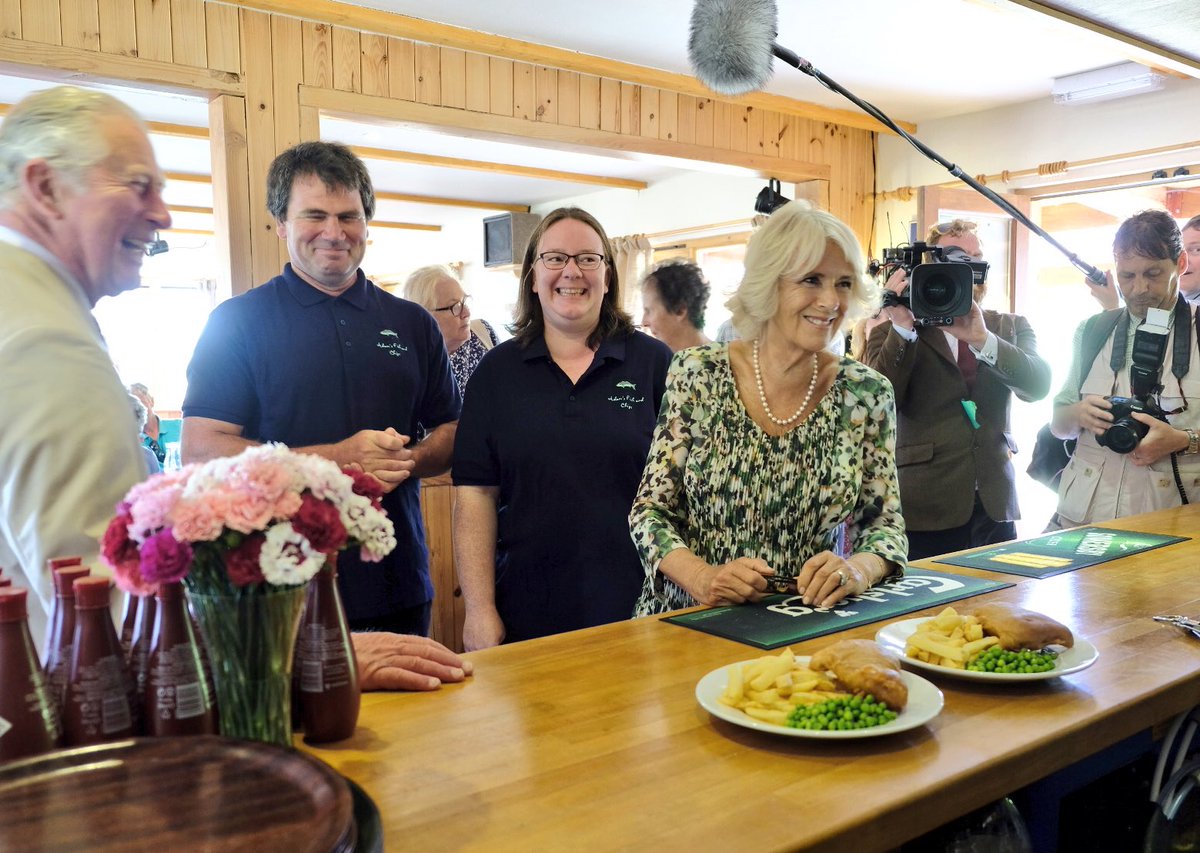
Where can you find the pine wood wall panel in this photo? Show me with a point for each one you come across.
(40, 21)
(454, 78)
(374, 60)
(80, 21)
(10, 19)
(402, 69)
(706, 120)
(429, 75)
(152, 29)
(770, 132)
(754, 131)
(631, 109)
(231, 182)
(545, 85)
(500, 86)
(224, 42)
(668, 115)
(568, 98)
(188, 44)
(118, 27)
(685, 130)
(610, 104)
(478, 83)
(318, 54)
(347, 60)
(739, 118)
(589, 101)
(524, 91)
(260, 139)
(287, 41)
(648, 121)
(722, 125)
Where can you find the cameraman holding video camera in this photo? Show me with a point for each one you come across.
(954, 385)
(1134, 374)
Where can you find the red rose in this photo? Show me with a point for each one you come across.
(320, 523)
(242, 562)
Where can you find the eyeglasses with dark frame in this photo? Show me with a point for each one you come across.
(558, 260)
(455, 308)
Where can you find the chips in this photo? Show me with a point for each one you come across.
(769, 687)
(949, 640)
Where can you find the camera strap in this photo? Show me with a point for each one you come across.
(1181, 349)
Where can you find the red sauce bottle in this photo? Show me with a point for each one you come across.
(325, 665)
(139, 653)
(5, 582)
(28, 713)
(97, 706)
(177, 699)
(129, 620)
(60, 630)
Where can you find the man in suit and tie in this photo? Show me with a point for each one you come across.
(954, 386)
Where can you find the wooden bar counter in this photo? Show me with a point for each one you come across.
(594, 740)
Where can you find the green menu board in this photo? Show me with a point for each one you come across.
(1060, 552)
(782, 619)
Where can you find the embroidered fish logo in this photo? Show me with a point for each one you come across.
(627, 384)
(389, 332)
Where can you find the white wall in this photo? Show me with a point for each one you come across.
(1025, 135)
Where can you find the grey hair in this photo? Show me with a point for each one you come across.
(139, 413)
(420, 284)
(59, 126)
(791, 245)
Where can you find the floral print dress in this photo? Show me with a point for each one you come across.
(719, 485)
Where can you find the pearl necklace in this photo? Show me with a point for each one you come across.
(762, 395)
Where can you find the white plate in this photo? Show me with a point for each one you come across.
(895, 637)
(924, 703)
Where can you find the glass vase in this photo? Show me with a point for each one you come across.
(250, 634)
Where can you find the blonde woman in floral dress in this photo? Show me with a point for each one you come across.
(767, 446)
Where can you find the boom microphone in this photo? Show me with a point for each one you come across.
(731, 47)
(731, 42)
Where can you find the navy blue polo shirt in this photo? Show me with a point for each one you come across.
(289, 363)
(567, 459)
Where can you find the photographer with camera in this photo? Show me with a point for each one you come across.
(1133, 374)
(954, 380)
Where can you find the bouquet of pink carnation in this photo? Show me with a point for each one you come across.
(268, 515)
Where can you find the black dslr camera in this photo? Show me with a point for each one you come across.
(1149, 347)
(938, 291)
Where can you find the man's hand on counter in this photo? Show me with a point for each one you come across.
(405, 662)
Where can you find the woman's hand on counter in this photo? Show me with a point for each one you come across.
(405, 662)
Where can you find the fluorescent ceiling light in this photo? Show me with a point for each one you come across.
(1103, 84)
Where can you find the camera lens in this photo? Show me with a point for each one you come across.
(1123, 436)
(938, 292)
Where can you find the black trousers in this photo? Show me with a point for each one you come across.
(979, 530)
(410, 620)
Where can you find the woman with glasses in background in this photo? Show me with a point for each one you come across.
(551, 445)
(436, 289)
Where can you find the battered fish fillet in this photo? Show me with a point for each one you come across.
(1017, 628)
(863, 667)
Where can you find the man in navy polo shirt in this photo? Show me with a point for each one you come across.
(322, 360)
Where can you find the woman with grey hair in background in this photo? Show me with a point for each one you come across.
(768, 447)
(436, 289)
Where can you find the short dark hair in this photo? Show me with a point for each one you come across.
(530, 324)
(1194, 222)
(681, 284)
(335, 164)
(1151, 234)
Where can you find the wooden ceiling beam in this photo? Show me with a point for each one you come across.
(445, 35)
(405, 226)
(390, 156)
(451, 202)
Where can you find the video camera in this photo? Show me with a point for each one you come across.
(938, 291)
(1149, 349)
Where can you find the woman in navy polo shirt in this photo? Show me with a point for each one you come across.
(551, 445)
(770, 445)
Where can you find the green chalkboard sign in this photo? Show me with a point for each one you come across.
(782, 619)
(1060, 552)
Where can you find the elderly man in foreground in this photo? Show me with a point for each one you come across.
(80, 198)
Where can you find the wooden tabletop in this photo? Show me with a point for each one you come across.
(594, 740)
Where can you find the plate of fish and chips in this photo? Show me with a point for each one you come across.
(950, 642)
(761, 694)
